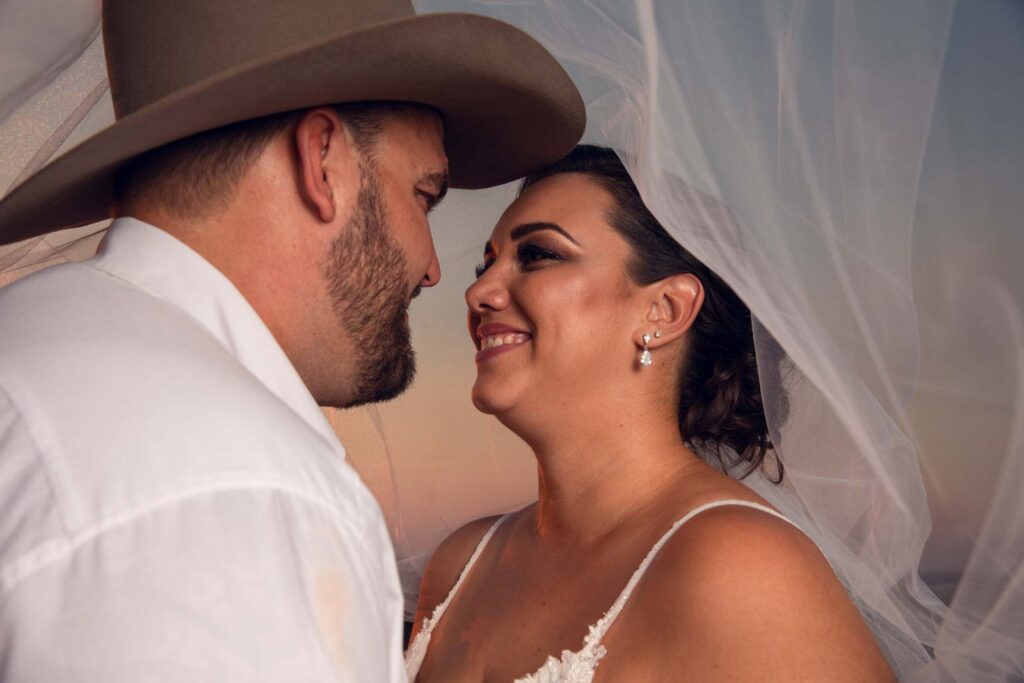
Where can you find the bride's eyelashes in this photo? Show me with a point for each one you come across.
(529, 256)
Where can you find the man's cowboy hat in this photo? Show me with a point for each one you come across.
(179, 68)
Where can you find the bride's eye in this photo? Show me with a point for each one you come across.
(530, 254)
(527, 254)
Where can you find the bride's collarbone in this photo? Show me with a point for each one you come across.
(525, 601)
(517, 608)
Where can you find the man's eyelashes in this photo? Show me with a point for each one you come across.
(431, 199)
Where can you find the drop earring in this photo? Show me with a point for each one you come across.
(646, 360)
(645, 356)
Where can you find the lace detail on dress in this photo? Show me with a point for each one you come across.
(571, 667)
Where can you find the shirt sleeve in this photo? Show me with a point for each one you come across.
(244, 584)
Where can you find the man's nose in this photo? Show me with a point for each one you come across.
(433, 274)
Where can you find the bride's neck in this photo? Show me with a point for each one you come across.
(597, 475)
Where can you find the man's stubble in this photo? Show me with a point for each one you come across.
(366, 275)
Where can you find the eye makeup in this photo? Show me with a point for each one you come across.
(535, 250)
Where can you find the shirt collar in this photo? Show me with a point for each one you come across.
(161, 265)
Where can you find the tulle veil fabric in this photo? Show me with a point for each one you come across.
(851, 169)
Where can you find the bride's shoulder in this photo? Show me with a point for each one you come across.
(731, 557)
(730, 532)
(732, 546)
(735, 574)
(452, 555)
(732, 540)
(448, 561)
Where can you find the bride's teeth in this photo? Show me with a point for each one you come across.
(494, 341)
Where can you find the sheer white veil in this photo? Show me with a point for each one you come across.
(852, 170)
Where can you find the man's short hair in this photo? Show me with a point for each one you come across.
(198, 175)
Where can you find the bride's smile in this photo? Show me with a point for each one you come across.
(494, 338)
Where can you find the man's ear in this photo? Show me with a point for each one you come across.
(672, 306)
(324, 150)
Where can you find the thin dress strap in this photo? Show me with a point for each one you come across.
(418, 648)
(599, 629)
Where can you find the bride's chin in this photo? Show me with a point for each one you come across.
(486, 404)
(492, 400)
(481, 405)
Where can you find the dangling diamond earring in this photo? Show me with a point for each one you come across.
(645, 356)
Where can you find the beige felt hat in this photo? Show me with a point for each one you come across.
(179, 68)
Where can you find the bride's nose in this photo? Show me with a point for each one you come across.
(488, 293)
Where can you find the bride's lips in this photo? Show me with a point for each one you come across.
(493, 339)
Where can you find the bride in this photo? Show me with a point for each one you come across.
(628, 367)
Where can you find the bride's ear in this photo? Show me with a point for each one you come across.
(672, 306)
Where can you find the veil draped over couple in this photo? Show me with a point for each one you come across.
(760, 337)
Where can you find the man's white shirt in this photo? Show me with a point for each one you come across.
(173, 504)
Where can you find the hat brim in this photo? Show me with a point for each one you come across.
(508, 108)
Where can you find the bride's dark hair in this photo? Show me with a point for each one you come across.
(719, 390)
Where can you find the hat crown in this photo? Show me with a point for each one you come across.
(155, 48)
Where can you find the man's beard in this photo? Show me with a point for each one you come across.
(366, 275)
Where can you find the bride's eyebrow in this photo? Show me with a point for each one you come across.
(521, 231)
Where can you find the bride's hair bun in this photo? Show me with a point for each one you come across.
(721, 413)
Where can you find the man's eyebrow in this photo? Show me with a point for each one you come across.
(521, 231)
(438, 182)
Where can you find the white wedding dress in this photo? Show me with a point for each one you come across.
(572, 666)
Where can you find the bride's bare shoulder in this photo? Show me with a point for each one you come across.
(739, 592)
(733, 543)
(447, 563)
(725, 556)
